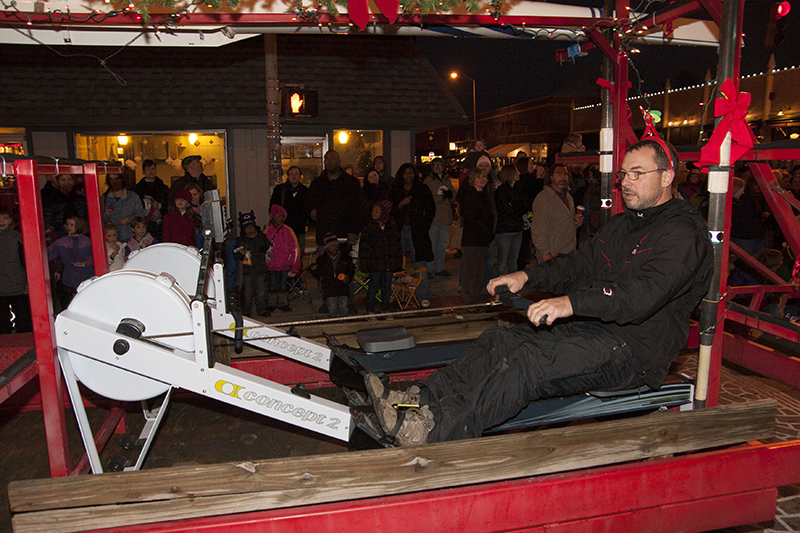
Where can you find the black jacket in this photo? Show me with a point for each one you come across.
(338, 203)
(294, 200)
(510, 208)
(157, 190)
(477, 219)
(421, 211)
(379, 249)
(328, 270)
(641, 277)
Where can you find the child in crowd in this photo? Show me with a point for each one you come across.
(250, 251)
(115, 250)
(380, 254)
(197, 197)
(140, 237)
(74, 250)
(334, 269)
(181, 223)
(13, 282)
(283, 259)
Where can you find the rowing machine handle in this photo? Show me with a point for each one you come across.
(512, 299)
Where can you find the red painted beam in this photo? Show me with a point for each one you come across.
(762, 325)
(114, 419)
(96, 231)
(690, 493)
(713, 8)
(291, 19)
(763, 360)
(50, 382)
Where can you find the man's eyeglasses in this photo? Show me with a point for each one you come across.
(634, 175)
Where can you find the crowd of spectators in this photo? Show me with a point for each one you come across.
(496, 219)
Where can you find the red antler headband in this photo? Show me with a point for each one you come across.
(650, 134)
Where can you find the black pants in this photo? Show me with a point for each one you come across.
(21, 307)
(473, 273)
(505, 369)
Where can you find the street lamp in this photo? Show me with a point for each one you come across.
(455, 75)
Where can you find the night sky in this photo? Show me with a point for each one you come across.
(509, 71)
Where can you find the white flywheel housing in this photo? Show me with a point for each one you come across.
(156, 301)
(177, 260)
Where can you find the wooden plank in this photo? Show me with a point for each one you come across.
(113, 500)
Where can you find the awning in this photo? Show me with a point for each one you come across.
(502, 150)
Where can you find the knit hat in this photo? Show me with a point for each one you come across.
(277, 210)
(247, 219)
(188, 159)
(386, 211)
(482, 159)
(329, 239)
(184, 194)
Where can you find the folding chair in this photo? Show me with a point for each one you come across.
(298, 289)
(404, 287)
(361, 281)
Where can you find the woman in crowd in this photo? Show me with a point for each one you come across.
(511, 207)
(477, 221)
(413, 210)
(374, 191)
(120, 205)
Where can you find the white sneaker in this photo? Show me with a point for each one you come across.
(425, 303)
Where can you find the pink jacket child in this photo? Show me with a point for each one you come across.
(285, 252)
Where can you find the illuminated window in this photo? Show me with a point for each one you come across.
(359, 149)
(166, 149)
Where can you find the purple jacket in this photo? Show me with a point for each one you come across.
(76, 253)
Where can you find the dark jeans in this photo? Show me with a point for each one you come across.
(505, 369)
(473, 273)
(21, 307)
(254, 288)
(278, 280)
(524, 250)
(379, 281)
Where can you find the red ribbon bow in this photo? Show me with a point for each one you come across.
(359, 11)
(732, 106)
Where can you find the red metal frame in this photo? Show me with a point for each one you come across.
(691, 493)
(32, 226)
(705, 491)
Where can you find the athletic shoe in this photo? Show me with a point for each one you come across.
(409, 427)
(377, 391)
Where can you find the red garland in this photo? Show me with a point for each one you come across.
(732, 106)
(359, 12)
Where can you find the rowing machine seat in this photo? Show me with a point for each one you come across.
(385, 339)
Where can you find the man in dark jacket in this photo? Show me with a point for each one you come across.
(631, 290)
(334, 201)
(292, 195)
(193, 168)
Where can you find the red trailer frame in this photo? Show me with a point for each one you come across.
(695, 492)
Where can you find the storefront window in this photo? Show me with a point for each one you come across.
(357, 148)
(167, 150)
(303, 152)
